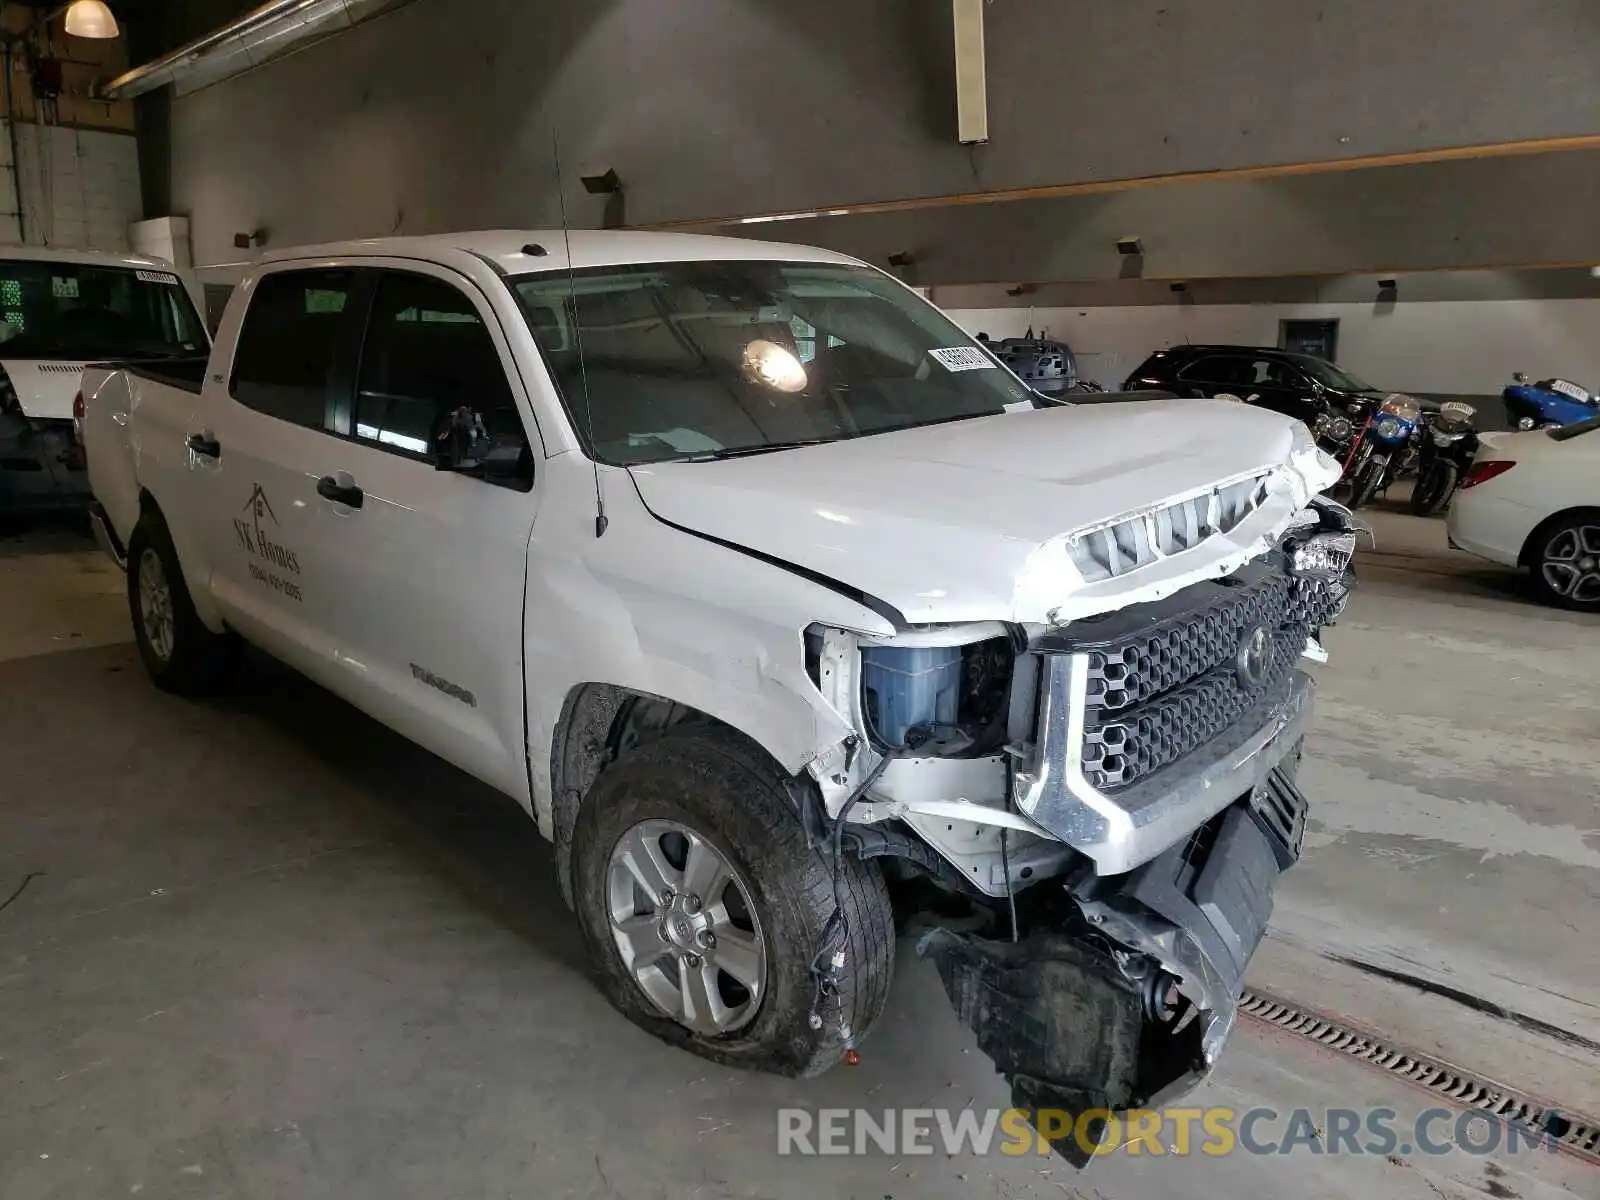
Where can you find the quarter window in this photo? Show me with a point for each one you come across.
(293, 343)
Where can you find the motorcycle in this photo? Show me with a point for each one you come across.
(1444, 453)
(1547, 403)
(1045, 365)
(1382, 448)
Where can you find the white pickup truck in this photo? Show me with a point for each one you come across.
(769, 593)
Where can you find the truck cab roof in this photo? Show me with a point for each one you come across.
(87, 258)
(510, 251)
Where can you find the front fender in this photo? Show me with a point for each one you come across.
(655, 610)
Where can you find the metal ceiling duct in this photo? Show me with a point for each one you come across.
(261, 34)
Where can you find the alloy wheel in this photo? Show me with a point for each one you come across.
(155, 605)
(1571, 563)
(685, 927)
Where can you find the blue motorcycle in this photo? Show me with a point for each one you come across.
(1383, 448)
(1546, 403)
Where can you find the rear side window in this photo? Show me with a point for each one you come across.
(427, 354)
(1268, 372)
(295, 344)
(1213, 368)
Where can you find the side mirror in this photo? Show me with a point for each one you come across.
(465, 445)
(459, 446)
(1518, 377)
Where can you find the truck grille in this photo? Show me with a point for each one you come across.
(1156, 695)
(1136, 542)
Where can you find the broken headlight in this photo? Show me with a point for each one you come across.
(944, 700)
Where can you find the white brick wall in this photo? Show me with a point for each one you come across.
(80, 187)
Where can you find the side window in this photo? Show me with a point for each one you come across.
(427, 354)
(1269, 372)
(1214, 368)
(293, 345)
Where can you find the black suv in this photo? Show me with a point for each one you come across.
(1299, 385)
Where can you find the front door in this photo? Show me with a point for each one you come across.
(1275, 384)
(427, 568)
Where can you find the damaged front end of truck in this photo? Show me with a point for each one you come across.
(1112, 792)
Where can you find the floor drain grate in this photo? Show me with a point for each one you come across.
(1580, 1132)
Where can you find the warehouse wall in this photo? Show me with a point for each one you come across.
(80, 187)
(441, 114)
(1531, 209)
(1461, 347)
(77, 180)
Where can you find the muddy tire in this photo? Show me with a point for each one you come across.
(180, 653)
(747, 999)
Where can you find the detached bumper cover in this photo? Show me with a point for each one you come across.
(1068, 1013)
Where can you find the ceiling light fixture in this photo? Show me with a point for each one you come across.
(91, 19)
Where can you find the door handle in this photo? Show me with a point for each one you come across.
(347, 494)
(204, 444)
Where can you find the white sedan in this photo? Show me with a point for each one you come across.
(1533, 500)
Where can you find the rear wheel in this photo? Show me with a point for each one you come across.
(1564, 559)
(705, 906)
(179, 652)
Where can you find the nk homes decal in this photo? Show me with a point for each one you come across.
(254, 537)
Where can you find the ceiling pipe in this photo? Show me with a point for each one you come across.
(261, 34)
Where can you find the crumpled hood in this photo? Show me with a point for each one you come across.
(969, 520)
(45, 387)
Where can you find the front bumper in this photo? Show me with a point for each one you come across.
(1165, 748)
(1121, 831)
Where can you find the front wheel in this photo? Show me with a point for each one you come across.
(1368, 480)
(1433, 489)
(705, 908)
(1565, 562)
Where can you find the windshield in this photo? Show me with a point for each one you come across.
(711, 359)
(70, 310)
(1325, 373)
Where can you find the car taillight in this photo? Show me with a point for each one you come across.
(1484, 471)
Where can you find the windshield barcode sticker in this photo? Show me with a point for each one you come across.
(156, 277)
(962, 358)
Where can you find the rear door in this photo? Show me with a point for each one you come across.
(263, 445)
(1209, 375)
(424, 570)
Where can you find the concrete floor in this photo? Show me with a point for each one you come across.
(273, 950)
